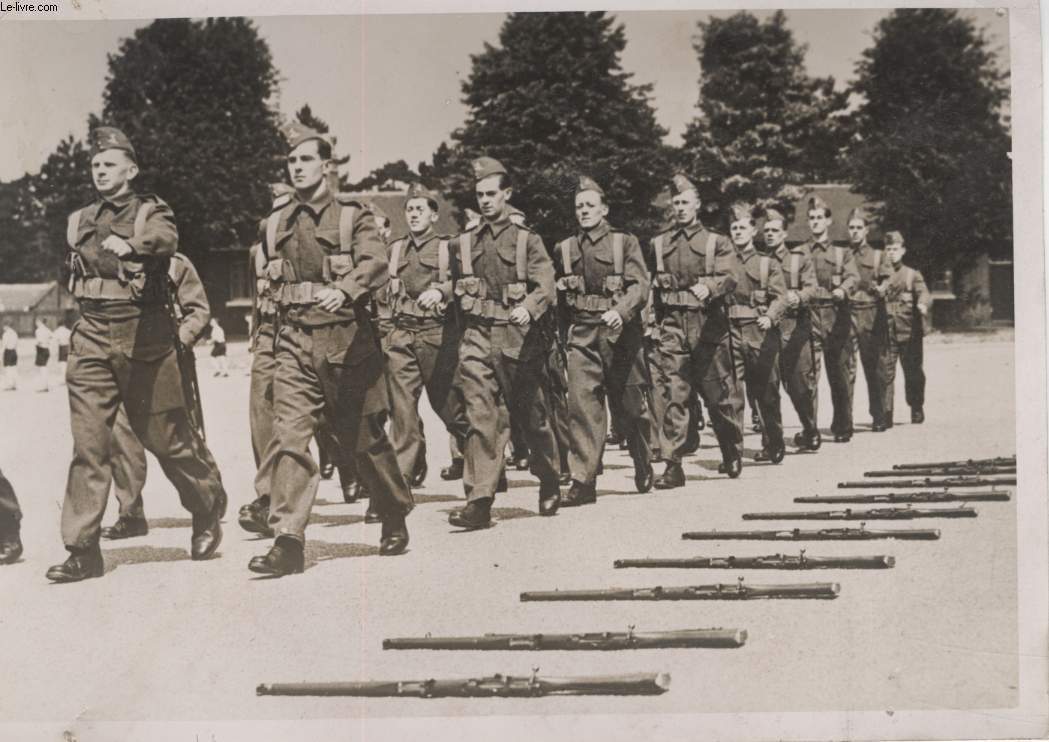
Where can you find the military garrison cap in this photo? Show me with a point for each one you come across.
(772, 215)
(860, 213)
(741, 210)
(485, 166)
(418, 190)
(296, 133)
(109, 137)
(893, 238)
(815, 202)
(679, 184)
(586, 183)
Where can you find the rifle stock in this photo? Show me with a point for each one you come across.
(602, 641)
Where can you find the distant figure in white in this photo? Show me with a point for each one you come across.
(43, 354)
(219, 360)
(9, 344)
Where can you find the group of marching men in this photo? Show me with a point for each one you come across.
(509, 340)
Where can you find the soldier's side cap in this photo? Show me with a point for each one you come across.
(893, 238)
(486, 166)
(296, 133)
(109, 137)
(679, 184)
(741, 210)
(860, 213)
(586, 183)
(418, 190)
(815, 202)
(772, 215)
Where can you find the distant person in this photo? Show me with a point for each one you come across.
(907, 300)
(43, 353)
(219, 359)
(10, 523)
(61, 337)
(9, 343)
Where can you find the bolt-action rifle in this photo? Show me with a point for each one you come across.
(822, 534)
(904, 497)
(999, 461)
(187, 361)
(770, 561)
(605, 640)
(943, 471)
(927, 482)
(718, 591)
(905, 513)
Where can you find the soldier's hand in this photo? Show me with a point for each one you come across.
(117, 246)
(520, 316)
(764, 322)
(429, 298)
(700, 291)
(838, 294)
(793, 299)
(612, 319)
(330, 300)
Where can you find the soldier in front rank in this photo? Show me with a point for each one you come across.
(421, 344)
(123, 353)
(10, 523)
(604, 284)
(836, 276)
(759, 300)
(505, 286)
(799, 366)
(907, 300)
(694, 274)
(870, 323)
(325, 255)
(129, 457)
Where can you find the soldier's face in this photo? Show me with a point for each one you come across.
(895, 253)
(305, 166)
(819, 222)
(111, 171)
(774, 233)
(742, 232)
(491, 199)
(857, 231)
(420, 215)
(589, 209)
(685, 206)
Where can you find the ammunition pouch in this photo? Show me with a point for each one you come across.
(131, 283)
(299, 294)
(589, 302)
(759, 298)
(514, 293)
(470, 286)
(571, 283)
(485, 309)
(835, 280)
(398, 303)
(336, 266)
(743, 312)
(679, 299)
(665, 282)
(614, 284)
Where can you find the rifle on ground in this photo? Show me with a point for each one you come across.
(999, 461)
(945, 482)
(904, 497)
(822, 534)
(718, 591)
(186, 360)
(771, 561)
(944, 471)
(905, 513)
(605, 640)
(497, 686)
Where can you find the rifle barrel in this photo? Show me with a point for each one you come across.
(604, 641)
(822, 534)
(998, 461)
(773, 561)
(907, 513)
(929, 482)
(718, 591)
(903, 497)
(944, 471)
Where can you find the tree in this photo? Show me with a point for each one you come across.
(765, 126)
(390, 176)
(931, 142)
(552, 102)
(195, 99)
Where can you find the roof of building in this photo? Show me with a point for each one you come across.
(18, 297)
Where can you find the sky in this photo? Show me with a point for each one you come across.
(389, 85)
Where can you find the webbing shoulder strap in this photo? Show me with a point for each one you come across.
(466, 253)
(795, 269)
(839, 260)
(272, 222)
(565, 247)
(144, 210)
(657, 246)
(712, 245)
(617, 252)
(522, 255)
(72, 228)
(395, 257)
(877, 261)
(763, 272)
(346, 217)
(442, 261)
(910, 278)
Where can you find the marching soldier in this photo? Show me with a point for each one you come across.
(604, 285)
(799, 366)
(129, 457)
(694, 274)
(837, 276)
(123, 353)
(907, 300)
(10, 523)
(325, 257)
(868, 314)
(758, 304)
(422, 343)
(505, 285)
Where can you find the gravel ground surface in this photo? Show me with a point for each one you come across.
(162, 638)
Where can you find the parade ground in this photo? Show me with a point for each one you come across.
(161, 637)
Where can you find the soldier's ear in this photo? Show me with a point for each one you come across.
(132, 170)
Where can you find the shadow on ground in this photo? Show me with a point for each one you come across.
(142, 555)
(170, 522)
(324, 551)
